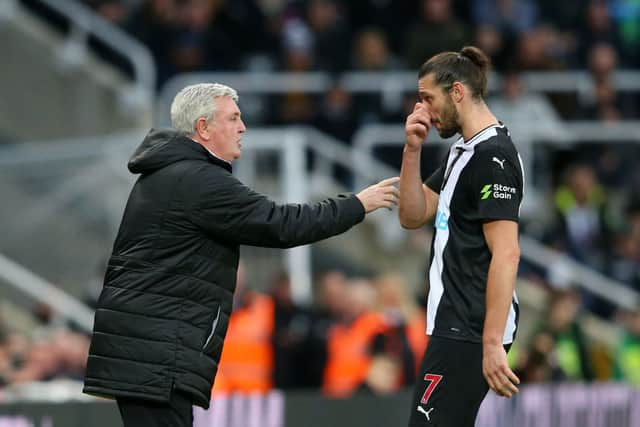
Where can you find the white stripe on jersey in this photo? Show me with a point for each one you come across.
(510, 327)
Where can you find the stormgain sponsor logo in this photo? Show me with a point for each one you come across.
(497, 191)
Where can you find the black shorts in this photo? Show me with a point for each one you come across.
(450, 386)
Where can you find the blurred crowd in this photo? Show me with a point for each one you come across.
(596, 214)
(383, 35)
(44, 347)
(337, 35)
(362, 335)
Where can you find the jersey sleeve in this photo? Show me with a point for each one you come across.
(434, 182)
(497, 186)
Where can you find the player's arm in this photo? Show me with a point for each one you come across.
(502, 239)
(417, 201)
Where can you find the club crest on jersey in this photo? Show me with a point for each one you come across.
(497, 191)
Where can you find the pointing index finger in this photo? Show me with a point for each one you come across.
(389, 181)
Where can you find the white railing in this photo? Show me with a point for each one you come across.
(596, 283)
(43, 291)
(85, 23)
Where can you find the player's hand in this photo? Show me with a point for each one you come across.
(417, 127)
(381, 195)
(496, 371)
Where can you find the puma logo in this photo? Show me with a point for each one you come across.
(498, 161)
(426, 413)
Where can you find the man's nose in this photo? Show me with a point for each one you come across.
(243, 128)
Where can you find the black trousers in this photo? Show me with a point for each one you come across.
(178, 412)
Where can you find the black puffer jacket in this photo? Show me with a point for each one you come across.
(165, 305)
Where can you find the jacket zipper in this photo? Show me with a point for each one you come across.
(213, 329)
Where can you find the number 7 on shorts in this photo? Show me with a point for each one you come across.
(433, 379)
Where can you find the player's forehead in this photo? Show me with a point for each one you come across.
(427, 85)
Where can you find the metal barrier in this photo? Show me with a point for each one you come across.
(46, 293)
(84, 23)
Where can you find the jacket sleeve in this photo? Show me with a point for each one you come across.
(227, 209)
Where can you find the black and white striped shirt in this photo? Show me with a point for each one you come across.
(481, 180)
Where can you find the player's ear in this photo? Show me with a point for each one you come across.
(457, 91)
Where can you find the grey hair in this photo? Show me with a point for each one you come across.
(194, 102)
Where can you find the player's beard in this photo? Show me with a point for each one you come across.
(449, 120)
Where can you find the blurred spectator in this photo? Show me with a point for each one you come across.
(291, 338)
(597, 28)
(330, 35)
(349, 353)
(563, 15)
(336, 115)
(251, 31)
(536, 50)
(494, 43)
(388, 15)
(154, 23)
(582, 227)
(603, 60)
(604, 106)
(626, 13)
(435, 30)
(508, 16)
(296, 108)
(612, 167)
(246, 364)
(404, 341)
(297, 48)
(63, 354)
(204, 40)
(559, 350)
(625, 266)
(627, 357)
(515, 106)
(371, 52)
(566, 17)
(605, 103)
(331, 288)
(538, 363)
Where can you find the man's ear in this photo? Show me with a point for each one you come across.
(203, 128)
(457, 91)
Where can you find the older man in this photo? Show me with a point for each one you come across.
(164, 308)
